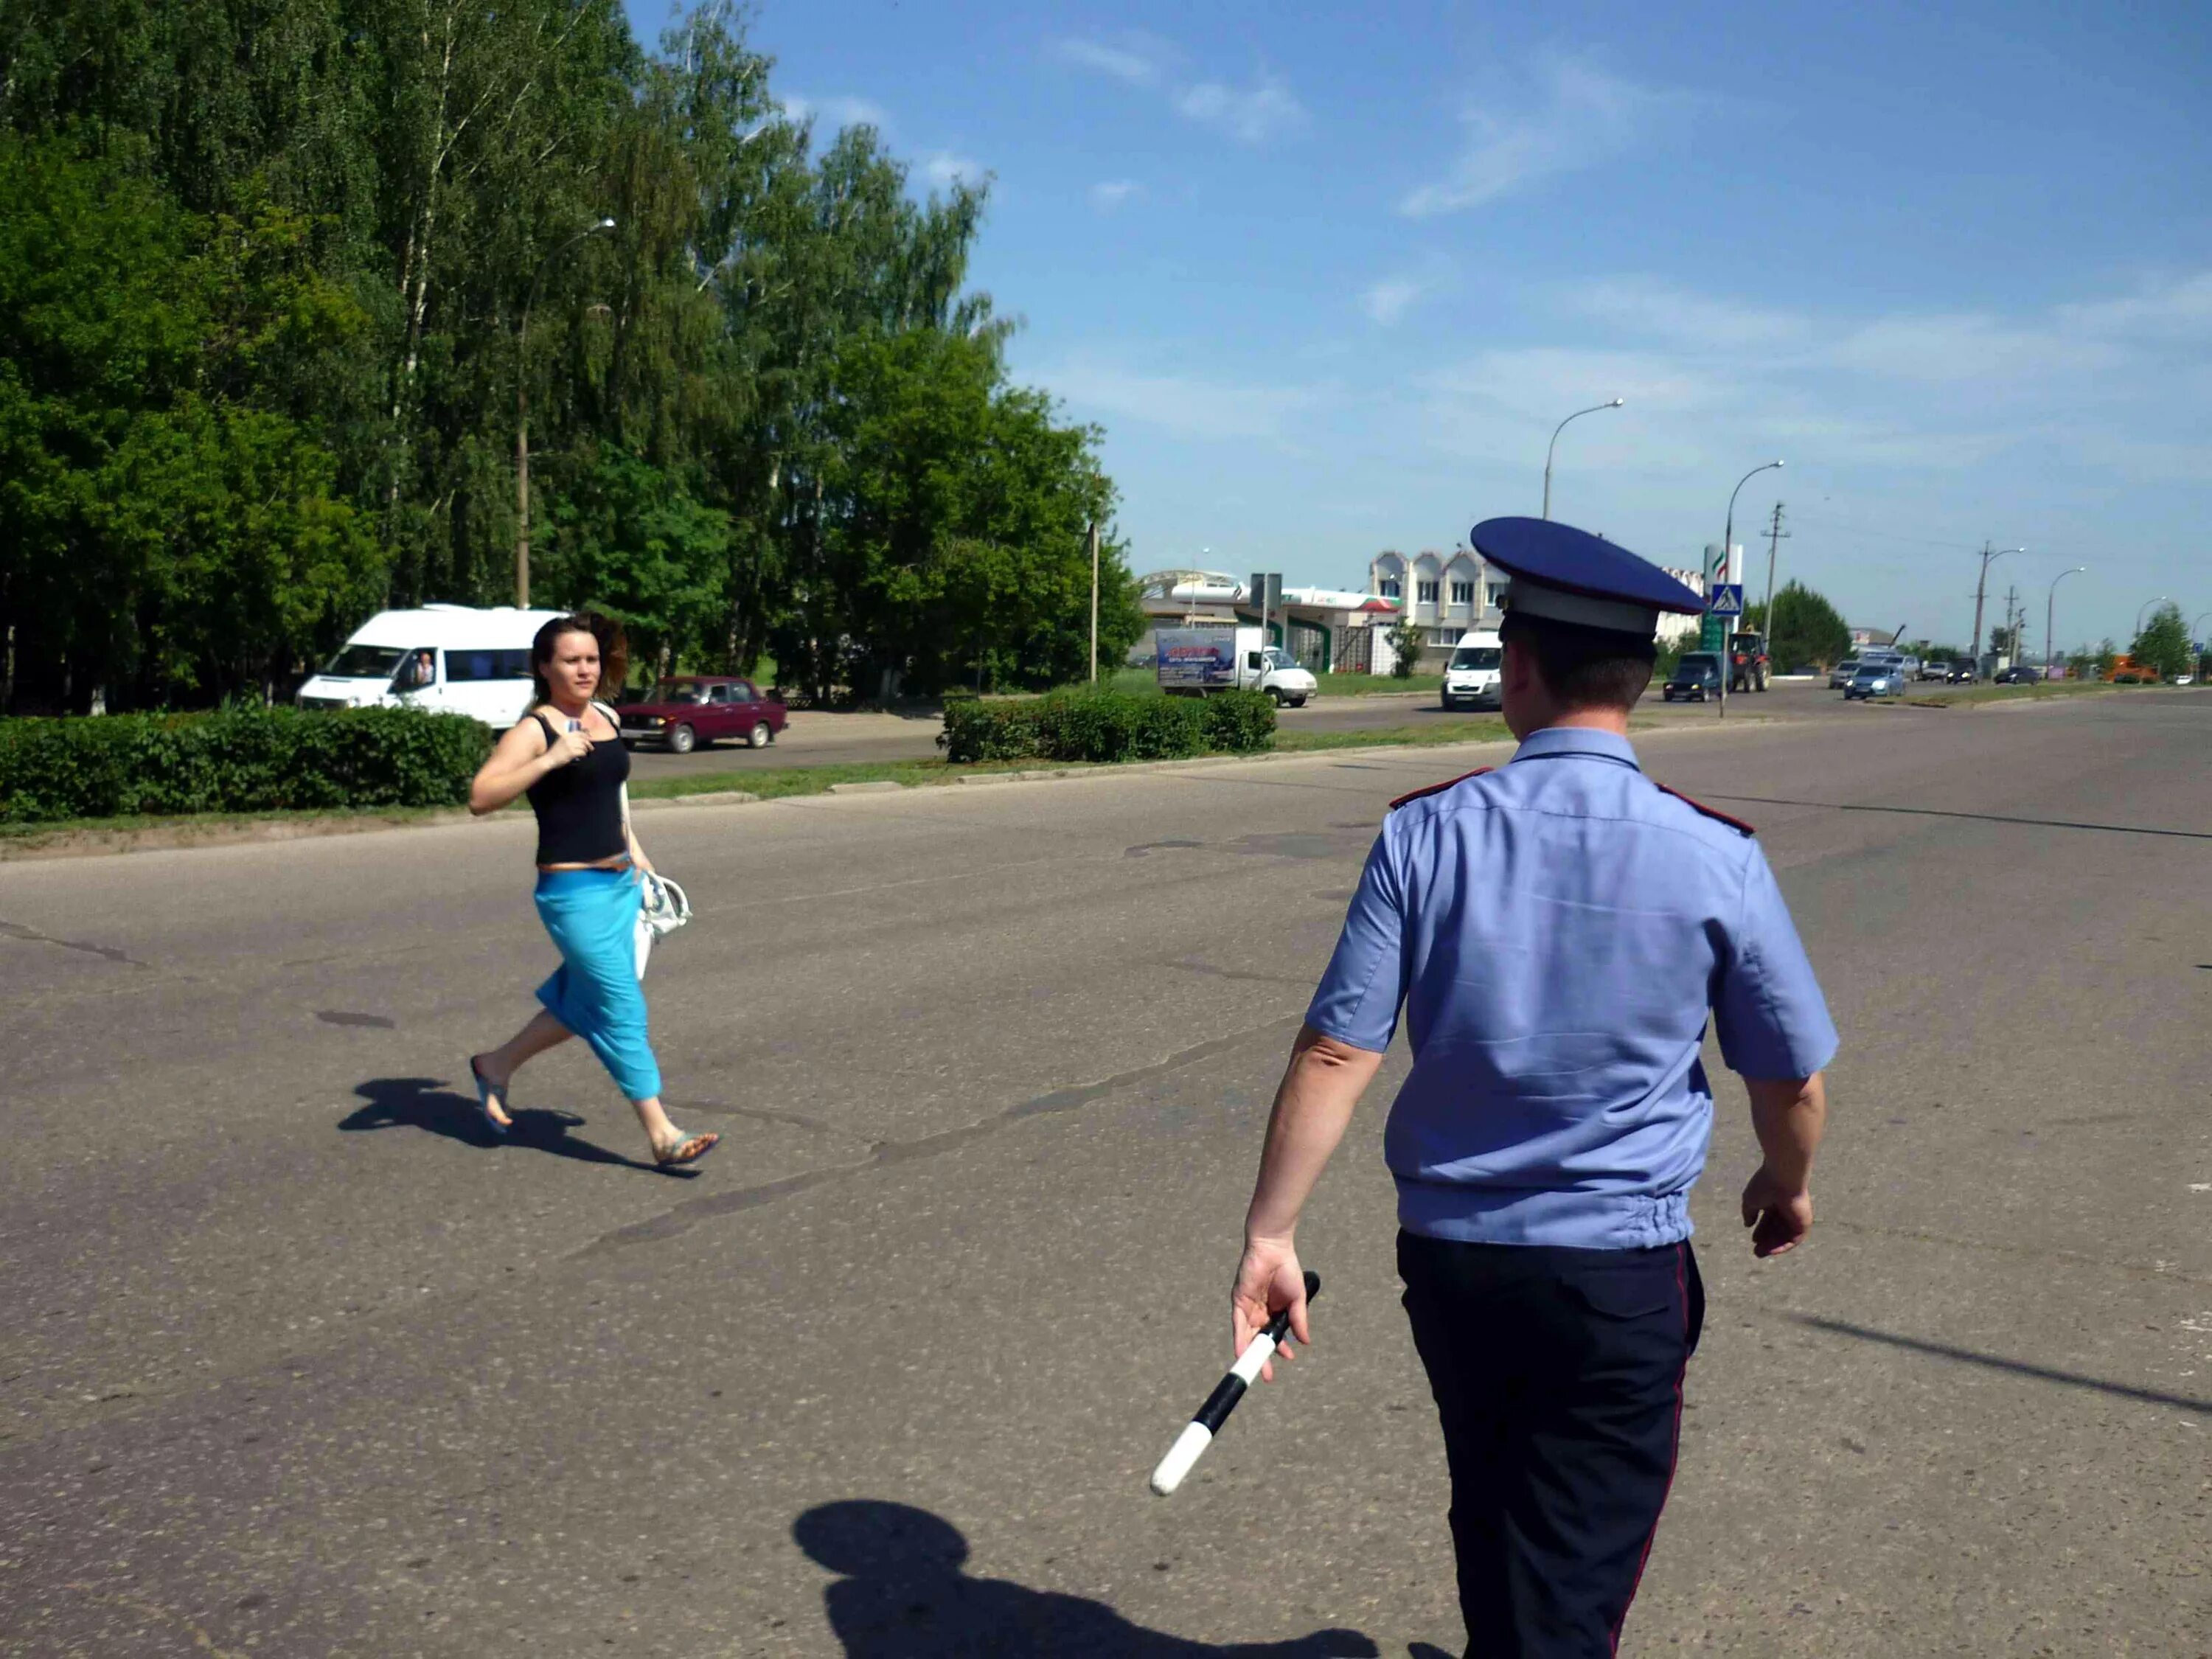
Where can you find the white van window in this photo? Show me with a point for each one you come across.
(487, 664)
(364, 662)
(417, 668)
(1478, 656)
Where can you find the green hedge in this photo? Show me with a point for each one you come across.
(236, 760)
(1106, 726)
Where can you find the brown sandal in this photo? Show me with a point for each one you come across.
(688, 1149)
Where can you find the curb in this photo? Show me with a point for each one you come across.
(709, 798)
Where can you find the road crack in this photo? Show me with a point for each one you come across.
(108, 952)
(682, 1217)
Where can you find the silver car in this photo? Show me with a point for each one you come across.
(1840, 675)
(1875, 679)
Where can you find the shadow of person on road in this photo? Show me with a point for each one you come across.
(428, 1103)
(904, 1596)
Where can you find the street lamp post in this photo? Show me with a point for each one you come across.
(2140, 610)
(1554, 444)
(1728, 542)
(1981, 590)
(522, 417)
(2049, 598)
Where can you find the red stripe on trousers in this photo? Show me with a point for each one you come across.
(1674, 1453)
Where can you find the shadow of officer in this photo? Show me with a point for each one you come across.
(904, 1596)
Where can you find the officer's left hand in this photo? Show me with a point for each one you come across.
(1268, 1281)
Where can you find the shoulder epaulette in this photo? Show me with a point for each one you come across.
(1438, 788)
(1714, 813)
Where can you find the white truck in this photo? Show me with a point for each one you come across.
(1471, 675)
(1193, 662)
(442, 657)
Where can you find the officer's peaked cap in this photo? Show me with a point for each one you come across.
(1568, 575)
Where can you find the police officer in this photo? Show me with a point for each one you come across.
(1557, 930)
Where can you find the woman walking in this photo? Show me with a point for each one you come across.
(568, 758)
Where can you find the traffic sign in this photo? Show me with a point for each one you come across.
(1727, 599)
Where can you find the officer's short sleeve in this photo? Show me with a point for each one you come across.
(1356, 1001)
(1772, 1020)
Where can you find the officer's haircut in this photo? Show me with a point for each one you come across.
(1583, 667)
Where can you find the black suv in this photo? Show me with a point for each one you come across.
(1696, 676)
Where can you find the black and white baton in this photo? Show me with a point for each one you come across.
(1198, 1434)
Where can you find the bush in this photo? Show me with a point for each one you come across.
(235, 760)
(1239, 722)
(1106, 726)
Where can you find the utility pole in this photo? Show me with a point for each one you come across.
(1776, 535)
(1094, 602)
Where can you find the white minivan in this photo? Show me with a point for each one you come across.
(1471, 675)
(443, 657)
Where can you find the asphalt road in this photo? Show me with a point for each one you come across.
(291, 1365)
(838, 739)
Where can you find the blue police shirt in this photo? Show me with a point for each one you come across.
(1557, 930)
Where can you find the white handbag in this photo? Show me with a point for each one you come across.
(663, 907)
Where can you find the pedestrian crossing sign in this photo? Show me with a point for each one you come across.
(1727, 599)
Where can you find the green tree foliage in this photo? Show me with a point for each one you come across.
(1405, 648)
(1808, 631)
(266, 267)
(2164, 643)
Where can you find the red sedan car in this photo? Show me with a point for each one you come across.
(685, 712)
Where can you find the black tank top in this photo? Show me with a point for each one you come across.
(579, 805)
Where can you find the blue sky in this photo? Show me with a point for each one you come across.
(1327, 281)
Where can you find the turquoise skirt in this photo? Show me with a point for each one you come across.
(592, 917)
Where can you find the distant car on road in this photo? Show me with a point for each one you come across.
(1697, 674)
(1840, 675)
(680, 714)
(1962, 672)
(1935, 668)
(1876, 680)
(2019, 674)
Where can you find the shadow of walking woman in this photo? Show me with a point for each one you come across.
(431, 1105)
(903, 1595)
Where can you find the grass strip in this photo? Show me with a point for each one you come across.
(1395, 737)
(1143, 681)
(1974, 694)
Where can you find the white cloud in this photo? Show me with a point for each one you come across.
(1584, 116)
(1968, 348)
(946, 169)
(1187, 405)
(1387, 301)
(1637, 305)
(1140, 63)
(2182, 307)
(838, 112)
(1251, 114)
(1108, 194)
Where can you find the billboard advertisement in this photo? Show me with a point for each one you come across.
(1198, 657)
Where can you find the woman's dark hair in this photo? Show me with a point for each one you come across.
(614, 651)
(1583, 667)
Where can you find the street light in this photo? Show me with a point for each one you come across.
(1554, 444)
(2140, 609)
(522, 416)
(1728, 542)
(1981, 589)
(2049, 598)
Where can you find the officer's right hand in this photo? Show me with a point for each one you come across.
(1268, 1281)
(1778, 1215)
(573, 746)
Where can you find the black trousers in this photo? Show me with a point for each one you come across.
(1558, 1375)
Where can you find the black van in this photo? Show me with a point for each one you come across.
(1696, 676)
